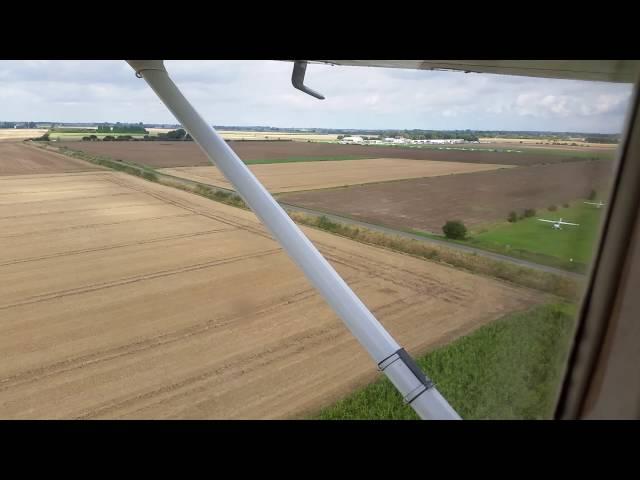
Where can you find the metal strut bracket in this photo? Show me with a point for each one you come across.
(297, 79)
(403, 356)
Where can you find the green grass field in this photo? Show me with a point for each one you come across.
(570, 248)
(593, 154)
(509, 369)
(520, 150)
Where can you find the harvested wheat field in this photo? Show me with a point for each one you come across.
(291, 177)
(20, 133)
(123, 298)
(16, 158)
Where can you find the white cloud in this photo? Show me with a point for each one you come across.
(260, 93)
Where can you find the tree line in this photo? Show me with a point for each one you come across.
(173, 135)
(18, 125)
(121, 128)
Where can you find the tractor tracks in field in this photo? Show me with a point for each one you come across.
(114, 246)
(94, 225)
(136, 347)
(234, 366)
(229, 220)
(136, 279)
(420, 283)
(78, 198)
(40, 214)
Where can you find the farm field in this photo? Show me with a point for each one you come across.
(20, 133)
(297, 137)
(515, 365)
(123, 298)
(426, 204)
(569, 245)
(292, 177)
(227, 135)
(16, 158)
(77, 137)
(188, 154)
(572, 153)
(535, 143)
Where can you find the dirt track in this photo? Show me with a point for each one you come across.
(291, 177)
(475, 198)
(188, 154)
(19, 159)
(126, 299)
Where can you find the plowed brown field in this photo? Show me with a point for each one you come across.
(475, 198)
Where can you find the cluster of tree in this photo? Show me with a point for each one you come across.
(109, 138)
(603, 139)
(122, 128)
(514, 217)
(173, 135)
(43, 138)
(432, 134)
(552, 136)
(179, 134)
(455, 230)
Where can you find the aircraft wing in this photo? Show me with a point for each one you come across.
(569, 223)
(620, 71)
(550, 221)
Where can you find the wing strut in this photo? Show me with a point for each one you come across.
(416, 389)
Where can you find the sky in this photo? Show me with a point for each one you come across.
(260, 93)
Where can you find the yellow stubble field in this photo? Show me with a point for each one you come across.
(122, 298)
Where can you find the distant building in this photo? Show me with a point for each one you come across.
(357, 140)
(445, 141)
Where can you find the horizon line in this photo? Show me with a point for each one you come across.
(325, 128)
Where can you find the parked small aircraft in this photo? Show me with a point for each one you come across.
(599, 204)
(557, 223)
